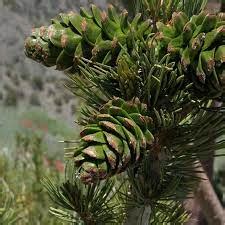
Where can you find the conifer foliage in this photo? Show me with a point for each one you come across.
(148, 84)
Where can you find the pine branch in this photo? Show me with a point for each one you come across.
(93, 204)
(8, 212)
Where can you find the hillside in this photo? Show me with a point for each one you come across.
(22, 80)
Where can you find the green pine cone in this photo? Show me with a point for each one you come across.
(93, 34)
(197, 44)
(116, 139)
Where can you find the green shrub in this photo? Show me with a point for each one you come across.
(55, 127)
(8, 214)
(11, 98)
(67, 97)
(25, 76)
(58, 101)
(34, 100)
(7, 87)
(51, 92)
(73, 109)
(50, 79)
(37, 83)
(58, 110)
(8, 73)
(20, 94)
(23, 199)
(15, 80)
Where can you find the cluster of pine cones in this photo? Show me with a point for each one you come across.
(122, 130)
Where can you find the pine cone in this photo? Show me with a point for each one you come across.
(116, 139)
(93, 35)
(198, 45)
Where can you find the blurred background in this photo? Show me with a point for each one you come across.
(37, 111)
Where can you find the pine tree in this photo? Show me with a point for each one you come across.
(148, 83)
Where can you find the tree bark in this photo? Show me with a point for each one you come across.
(138, 216)
(208, 167)
(192, 205)
(222, 6)
(208, 201)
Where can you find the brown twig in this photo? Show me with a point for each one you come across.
(138, 216)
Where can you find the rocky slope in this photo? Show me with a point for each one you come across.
(22, 80)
